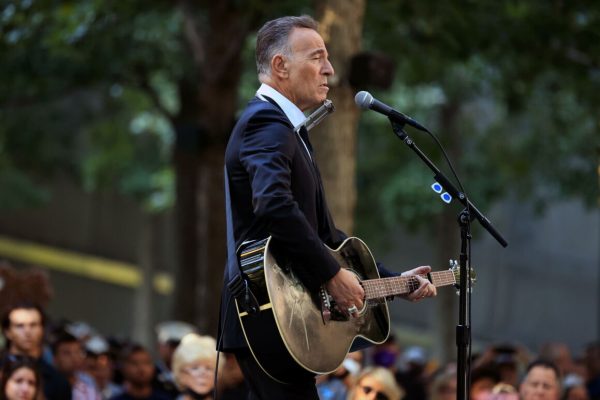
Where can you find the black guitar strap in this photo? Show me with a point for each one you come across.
(238, 285)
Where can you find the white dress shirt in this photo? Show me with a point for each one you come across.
(292, 112)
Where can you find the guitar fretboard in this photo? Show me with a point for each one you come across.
(386, 287)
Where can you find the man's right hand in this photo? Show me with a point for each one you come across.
(346, 290)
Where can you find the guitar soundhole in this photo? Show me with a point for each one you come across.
(353, 262)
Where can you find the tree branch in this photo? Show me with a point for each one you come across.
(144, 84)
(192, 33)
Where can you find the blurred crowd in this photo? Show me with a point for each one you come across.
(70, 360)
(500, 372)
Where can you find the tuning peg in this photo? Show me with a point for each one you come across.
(455, 268)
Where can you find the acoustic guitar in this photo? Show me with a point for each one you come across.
(296, 332)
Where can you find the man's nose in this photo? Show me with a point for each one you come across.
(328, 69)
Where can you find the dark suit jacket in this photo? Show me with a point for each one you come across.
(276, 191)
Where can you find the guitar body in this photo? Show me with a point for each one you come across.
(291, 335)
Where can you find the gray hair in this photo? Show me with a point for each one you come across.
(192, 348)
(273, 37)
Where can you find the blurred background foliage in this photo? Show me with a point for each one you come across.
(515, 82)
(89, 89)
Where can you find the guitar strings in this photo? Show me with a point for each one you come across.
(385, 287)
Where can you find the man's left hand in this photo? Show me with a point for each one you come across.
(425, 289)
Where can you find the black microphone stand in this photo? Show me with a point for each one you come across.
(463, 329)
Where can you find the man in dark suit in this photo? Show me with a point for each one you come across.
(276, 190)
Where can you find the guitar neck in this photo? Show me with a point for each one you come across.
(398, 285)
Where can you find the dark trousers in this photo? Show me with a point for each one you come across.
(263, 387)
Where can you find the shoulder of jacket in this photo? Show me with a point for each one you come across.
(263, 109)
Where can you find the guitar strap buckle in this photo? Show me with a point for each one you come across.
(240, 289)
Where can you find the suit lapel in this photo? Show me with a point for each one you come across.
(305, 147)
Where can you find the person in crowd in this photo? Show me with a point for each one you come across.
(69, 358)
(138, 371)
(335, 386)
(376, 383)
(592, 365)
(574, 388)
(411, 374)
(483, 380)
(20, 379)
(168, 337)
(560, 355)
(508, 359)
(100, 365)
(386, 354)
(503, 391)
(443, 386)
(541, 381)
(23, 328)
(194, 367)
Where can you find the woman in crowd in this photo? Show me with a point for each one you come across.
(193, 367)
(335, 386)
(376, 384)
(443, 386)
(20, 379)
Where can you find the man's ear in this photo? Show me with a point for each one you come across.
(279, 66)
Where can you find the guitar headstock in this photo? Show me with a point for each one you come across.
(455, 268)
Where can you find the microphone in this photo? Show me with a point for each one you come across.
(365, 101)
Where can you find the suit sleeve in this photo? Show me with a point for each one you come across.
(266, 152)
(383, 271)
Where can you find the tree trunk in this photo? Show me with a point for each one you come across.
(448, 247)
(335, 139)
(208, 105)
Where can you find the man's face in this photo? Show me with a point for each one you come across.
(101, 369)
(139, 368)
(541, 383)
(308, 68)
(25, 332)
(69, 357)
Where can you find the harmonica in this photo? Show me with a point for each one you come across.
(317, 116)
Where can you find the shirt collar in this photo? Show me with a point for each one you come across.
(292, 112)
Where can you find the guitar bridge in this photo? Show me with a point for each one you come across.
(325, 305)
(329, 312)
